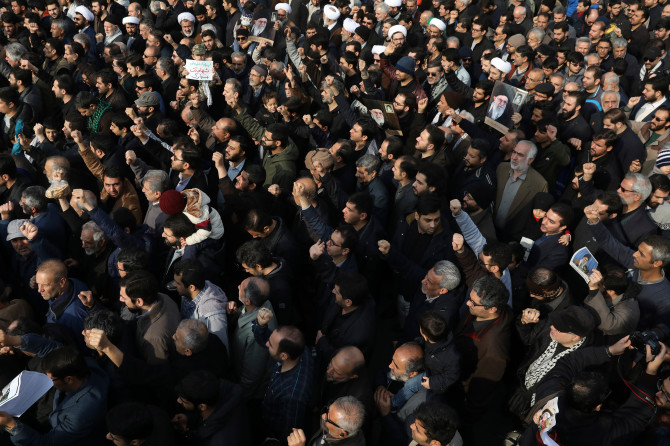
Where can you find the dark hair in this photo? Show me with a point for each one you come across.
(124, 218)
(482, 145)
(409, 166)
(363, 203)
(368, 128)
(192, 272)
(435, 136)
(66, 83)
(130, 421)
(428, 204)
(293, 342)
(254, 252)
(122, 121)
(85, 99)
(586, 391)
(659, 182)
(437, 421)
(133, 258)
(107, 76)
(500, 253)
(491, 291)
(614, 279)
(434, 326)
(180, 225)
(353, 286)
(140, 285)
(9, 95)
(65, 361)
(199, 387)
(435, 175)
(564, 211)
(25, 76)
(107, 321)
(7, 165)
(607, 135)
(525, 51)
(349, 237)
(105, 143)
(257, 220)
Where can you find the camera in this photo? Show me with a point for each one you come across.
(640, 339)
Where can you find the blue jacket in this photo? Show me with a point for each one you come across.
(75, 312)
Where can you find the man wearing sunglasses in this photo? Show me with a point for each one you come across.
(341, 424)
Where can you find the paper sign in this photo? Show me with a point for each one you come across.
(200, 70)
(23, 392)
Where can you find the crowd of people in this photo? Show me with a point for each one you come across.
(401, 222)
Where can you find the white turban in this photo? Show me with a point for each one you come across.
(378, 49)
(397, 29)
(331, 12)
(285, 6)
(393, 3)
(500, 64)
(349, 25)
(84, 11)
(130, 19)
(185, 16)
(437, 23)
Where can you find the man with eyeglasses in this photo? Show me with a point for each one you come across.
(341, 424)
(483, 340)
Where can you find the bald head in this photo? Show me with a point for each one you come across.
(56, 164)
(345, 365)
(310, 187)
(254, 291)
(54, 268)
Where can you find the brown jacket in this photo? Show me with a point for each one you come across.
(128, 198)
(643, 131)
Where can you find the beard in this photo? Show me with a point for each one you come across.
(257, 30)
(175, 245)
(564, 116)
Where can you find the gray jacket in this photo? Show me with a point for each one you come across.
(211, 310)
(250, 359)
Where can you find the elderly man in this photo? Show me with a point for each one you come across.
(341, 423)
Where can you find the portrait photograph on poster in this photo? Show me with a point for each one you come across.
(505, 101)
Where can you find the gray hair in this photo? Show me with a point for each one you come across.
(148, 23)
(449, 273)
(156, 180)
(616, 93)
(660, 248)
(208, 26)
(82, 39)
(195, 334)
(235, 84)
(453, 39)
(35, 197)
(239, 54)
(166, 64)
(371, 163)
(15, 51)
(491, 291)
(641, 186)
(610, 78)
(559, 75)
(155, 7)
(414, 364)
(538, 32)
(383, 7)
(583, 39)
(60, 23)
(98, 234)
(466, 2)
(532, 152)
(256, 291)
(353, 411)
(620, 42)
(559, 9)
(590, 55)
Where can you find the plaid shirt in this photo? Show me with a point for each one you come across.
(287, 397)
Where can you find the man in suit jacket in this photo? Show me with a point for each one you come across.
(547, 251)
(653, 97)
(654, 134)
(518, 183)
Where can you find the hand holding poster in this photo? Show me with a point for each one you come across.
(584, 263)
(199, 70)
(505, 101)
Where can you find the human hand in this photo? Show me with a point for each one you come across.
(77, 137)
(317, 250)
(96, 339)
(232, 307)
(565, 239)
(457, 243)
(29, 230)
(632, 102)
(131, 157)
(219, 160)
(552, 131)
(300, 195)
(39, 131)
(86, 298)
(620, 346)
(635, 166)
(384, 247)
(307, 119)
(296, 438)
(99, 37)
(131, 113)
(422, 105)
(383, 401)
(592, 214)
(180, 422)
(7, 420)
(576, 143)
(264, 316)
(275, 190)
(516, 118)
(530, 316)
(425, 382)
(594, 279)
(361, 65)
(654, 361)
(589, 169)
(455, 206)
(194, 135)
(6, 210)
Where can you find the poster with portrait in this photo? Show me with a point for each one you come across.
(505, 101)
(584, 263)
(387, 117)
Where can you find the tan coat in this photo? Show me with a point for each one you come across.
(643, 131)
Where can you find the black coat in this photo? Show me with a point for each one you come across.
(356, 328)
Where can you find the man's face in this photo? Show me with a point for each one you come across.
(398, 366)
(351, 214)
(495, 74)
(419, 433)
(434, 74)
(519, 160)
(428, 223)
(642, 258)
(363, 176)
(356, 133)
(79, 21)
(657, 198)
(179, 285)
(559, 35)
(475, 305)
(242, 182)
(430, 285)
(609, 101)
(53, 10)
(186, 27)
(663, 394)
(56, 32)
(48, 286)
(113, 186)
(589, 80)
(598, 148)
(109, 28)
(22, 246)
(650, 95)
(473, 158)
(637, 18)
(551, 223)
(103, 88)
(619, 52)
(273, 345)
(569, 106)
(660, 121)
(334, 244)
(420, 184)
(595, 32)
(423, 143)
(338, 371)
(88, 243)
(626, 193)
(209, 42)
